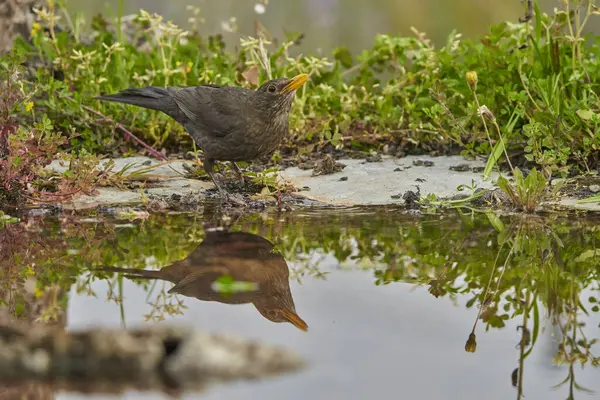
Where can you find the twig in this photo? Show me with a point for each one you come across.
(126, 131)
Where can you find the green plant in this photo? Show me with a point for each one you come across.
(537, 77)
(526, 193)
(523, 94)
(6, 219)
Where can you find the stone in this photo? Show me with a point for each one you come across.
(114, 360)
(367, 183)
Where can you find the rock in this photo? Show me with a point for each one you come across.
(411, 199)
(157, 358)
(595, 188)
(374, 158)
(327, 166)
(375, 183)
(423, 163)
(387, 177)
(203, 357)
(16, 19)
(460, 168)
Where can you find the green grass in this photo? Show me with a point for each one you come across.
(538, 80)
(524, 94)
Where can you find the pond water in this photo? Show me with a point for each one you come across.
(390, 297)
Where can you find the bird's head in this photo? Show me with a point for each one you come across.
(282, 315)
(277, 94)
(281, 311)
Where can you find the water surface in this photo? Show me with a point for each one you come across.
(390, 298)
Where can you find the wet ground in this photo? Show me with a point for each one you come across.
(379, 301)
(346, 182)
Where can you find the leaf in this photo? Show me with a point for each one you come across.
(538, 22)
(586, 115)
(493, 159)
(495, 221)
(586, 255)
(593, 199)
(251, 75)
(342, 54)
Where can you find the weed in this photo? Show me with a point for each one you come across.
(526, 193)
(6, 219)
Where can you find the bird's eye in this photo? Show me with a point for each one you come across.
(271, 89)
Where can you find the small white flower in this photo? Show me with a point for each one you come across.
(485, 112)
(259, 8)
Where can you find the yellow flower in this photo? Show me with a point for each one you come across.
(471, 77)
(35, 28)
(471, 344)
(29, 106)
(50, 3)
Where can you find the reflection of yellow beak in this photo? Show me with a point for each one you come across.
(295, 320)
(295, 83)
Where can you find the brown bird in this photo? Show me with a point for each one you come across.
(228, 123)
(241, 255)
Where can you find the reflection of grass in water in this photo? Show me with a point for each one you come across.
(508, 267)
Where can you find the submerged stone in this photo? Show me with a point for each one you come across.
(156, 358)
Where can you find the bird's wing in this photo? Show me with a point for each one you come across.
(216, 108)
(195, 276)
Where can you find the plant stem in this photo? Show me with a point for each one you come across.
(127, 132)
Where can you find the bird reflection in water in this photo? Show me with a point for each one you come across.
(244, 257)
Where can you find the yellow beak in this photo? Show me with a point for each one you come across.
(295, 83)
(295, 320)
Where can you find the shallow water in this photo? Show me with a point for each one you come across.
(364, 280)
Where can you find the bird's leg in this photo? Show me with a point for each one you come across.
(238, 171)
(209, 164)
(220, 170)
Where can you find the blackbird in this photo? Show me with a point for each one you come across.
(228, 123)
(241, 255)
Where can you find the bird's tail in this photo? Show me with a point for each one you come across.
(152, 97)
(133, 273)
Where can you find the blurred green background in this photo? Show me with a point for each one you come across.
(331, 23)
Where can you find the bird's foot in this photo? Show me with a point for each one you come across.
(219, 187)
(238, 172)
